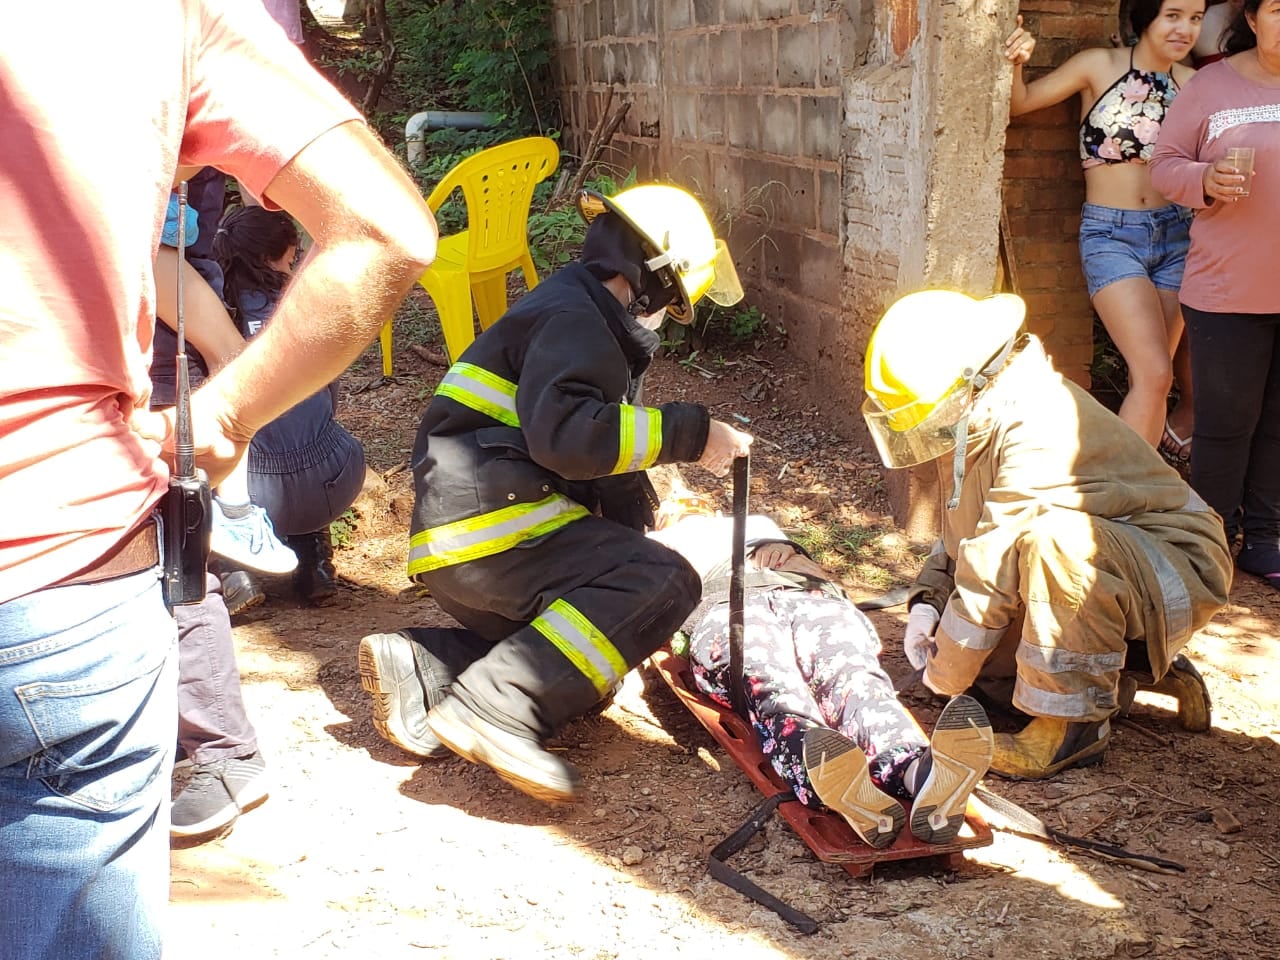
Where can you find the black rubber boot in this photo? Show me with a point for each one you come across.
(315, 579)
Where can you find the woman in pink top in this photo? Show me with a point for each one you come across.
(1229, 292)
(1133, 240)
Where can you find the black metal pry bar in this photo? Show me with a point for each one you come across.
(741, 483)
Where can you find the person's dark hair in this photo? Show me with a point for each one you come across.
(1142, 13)
(244, 246)
(1239, 35)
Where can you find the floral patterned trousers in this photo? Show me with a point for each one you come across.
(809, 660)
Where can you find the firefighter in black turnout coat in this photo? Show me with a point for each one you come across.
(531, 499)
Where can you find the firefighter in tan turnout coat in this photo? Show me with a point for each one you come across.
(1073, 560)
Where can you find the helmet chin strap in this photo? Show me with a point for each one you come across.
(957, 458)
(977, 383)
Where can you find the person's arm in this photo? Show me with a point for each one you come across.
(1054, 87)
(205, 321)
(1176, 168)
(572, 371)
(373, 237)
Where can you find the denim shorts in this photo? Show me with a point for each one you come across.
(1122, 244)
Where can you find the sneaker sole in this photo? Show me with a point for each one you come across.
(837, 769)
(962, 746)
(463, 741)
(374, 665)
(240, 601)
(217, 824)
(254, 797)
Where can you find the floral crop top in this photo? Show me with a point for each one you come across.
(1124, 123)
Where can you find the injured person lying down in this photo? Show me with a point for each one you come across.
(824, 709)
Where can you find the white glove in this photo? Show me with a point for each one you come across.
(922, 622)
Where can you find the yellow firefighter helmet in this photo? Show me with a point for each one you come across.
(921, 366)
(680, 244)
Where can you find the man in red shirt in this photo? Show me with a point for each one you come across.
(87, 665)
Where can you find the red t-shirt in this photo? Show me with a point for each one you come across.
(91, 137)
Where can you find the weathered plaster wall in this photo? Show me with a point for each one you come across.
(852, 148)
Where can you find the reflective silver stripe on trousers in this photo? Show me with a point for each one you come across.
(457, 538)
(601, 669)
(1057, 660)
(970, 635)
(1071, 706)
(1177, 599)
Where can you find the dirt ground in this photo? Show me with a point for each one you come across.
(362, 852)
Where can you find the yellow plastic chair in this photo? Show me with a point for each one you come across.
(497, 185)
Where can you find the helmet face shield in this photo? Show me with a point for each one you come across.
(918, 432)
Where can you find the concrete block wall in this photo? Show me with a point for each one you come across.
(1044, 187)
(739, 101)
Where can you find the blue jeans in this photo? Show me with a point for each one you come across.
(88, 682)
(1120, 244)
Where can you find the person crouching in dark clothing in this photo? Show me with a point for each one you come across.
(531, 497)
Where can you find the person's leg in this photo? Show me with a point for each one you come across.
(597, 599)
(817, 762)
(1181, 420)
(229, 773)
(87, 727)
(305, 470)
(1169, 258)
(212, 721)
(780, 705)
(1231, 357)
(1261, 502)
(409, 672)
(1119, 252)
(1083, 598)
(1132, 312)
(838, 651)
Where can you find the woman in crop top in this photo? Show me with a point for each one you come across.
(1133, 241)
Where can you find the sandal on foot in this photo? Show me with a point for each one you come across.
(1174, 448)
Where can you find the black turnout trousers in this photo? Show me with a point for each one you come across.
(633, 591)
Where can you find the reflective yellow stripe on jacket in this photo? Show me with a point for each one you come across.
(639, 438)
(482, 391)
(586, 647)
(489, 533)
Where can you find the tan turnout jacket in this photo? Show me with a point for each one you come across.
(1068, 517)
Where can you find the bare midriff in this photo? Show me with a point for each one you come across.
(1126, 186)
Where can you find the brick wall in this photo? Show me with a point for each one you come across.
(1044, 186)
(740, 101)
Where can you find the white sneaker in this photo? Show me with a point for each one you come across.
(249, 541)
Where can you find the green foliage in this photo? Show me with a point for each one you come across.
(360, 65)
(556, 233)
(848, 550)
(491, 55)
(343, 530)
